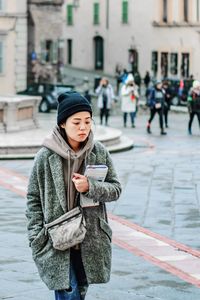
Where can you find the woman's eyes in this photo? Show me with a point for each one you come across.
(86, 123)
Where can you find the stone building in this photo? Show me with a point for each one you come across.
(13, 45)
(45, 44)
(161, 36)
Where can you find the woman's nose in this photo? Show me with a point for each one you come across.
(82, 126)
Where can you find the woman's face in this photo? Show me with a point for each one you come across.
(77, 128)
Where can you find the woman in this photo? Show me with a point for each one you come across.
(129, 97)
(55, 186)
(156, 101)
(105, 99)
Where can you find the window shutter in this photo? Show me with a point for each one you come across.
(125, 11)
(1, 57)
(69, 14)
(96, 13)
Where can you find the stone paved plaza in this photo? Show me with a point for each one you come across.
(161, 193)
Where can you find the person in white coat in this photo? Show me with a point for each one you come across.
(105, 99)
(129, 99)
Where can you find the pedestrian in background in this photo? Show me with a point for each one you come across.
(194, 104)
(124, 76)
(86, 89)
(155, 102)
(167, 103)
(137, 80)
(147, 80)
(56, 183)
(118, 72)
(129, 99)
(105, 100)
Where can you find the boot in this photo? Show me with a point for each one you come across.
(163, 132)
(189, 131)
(148, 128)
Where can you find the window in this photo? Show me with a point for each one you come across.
(49, 51)
(69, 14)
(43, 51)
(174, 63)
(164, 11)
(96, 13)
(1, 57)
(185, 60)
(124, 11)
(154, 63)
(1, 5)
(185, 10)
(54, 58)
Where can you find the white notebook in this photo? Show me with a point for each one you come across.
(97, 172)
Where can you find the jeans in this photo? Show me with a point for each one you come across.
(71, 294)
(78, 281)
(132, 115)
(104, 112)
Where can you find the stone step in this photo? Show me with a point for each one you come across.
(19, 146)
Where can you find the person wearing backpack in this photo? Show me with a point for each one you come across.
(155, 101)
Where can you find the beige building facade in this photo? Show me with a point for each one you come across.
(13, 45)
(45, 46)
(161, 36)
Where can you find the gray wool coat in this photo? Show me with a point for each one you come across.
(46, 198)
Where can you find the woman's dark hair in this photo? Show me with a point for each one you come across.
(63, 133)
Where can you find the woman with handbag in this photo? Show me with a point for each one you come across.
(57, 184)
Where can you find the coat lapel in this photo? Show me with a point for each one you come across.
(91, 159)
(56, 166)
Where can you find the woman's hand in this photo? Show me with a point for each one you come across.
(80, 182)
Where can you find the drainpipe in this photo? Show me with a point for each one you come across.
(107, 14)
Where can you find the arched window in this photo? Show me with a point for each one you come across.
(185, 10)
(165, 11)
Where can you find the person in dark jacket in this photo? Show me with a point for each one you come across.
(155, 102)
(167, 103)
(194, 104)
(147, 79)
(57, 184)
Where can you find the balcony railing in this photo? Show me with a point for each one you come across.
(45, 2)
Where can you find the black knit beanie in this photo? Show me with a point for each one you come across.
(70, 103)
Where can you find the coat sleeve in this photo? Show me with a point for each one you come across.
(98, 90)
(112, 92)
(106, 191)
(34, 212)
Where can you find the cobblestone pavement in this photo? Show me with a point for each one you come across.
(161, 193)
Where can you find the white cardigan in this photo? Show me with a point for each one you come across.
(128, 105)
(110, 95)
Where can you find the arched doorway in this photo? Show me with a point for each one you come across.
(99, 53)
